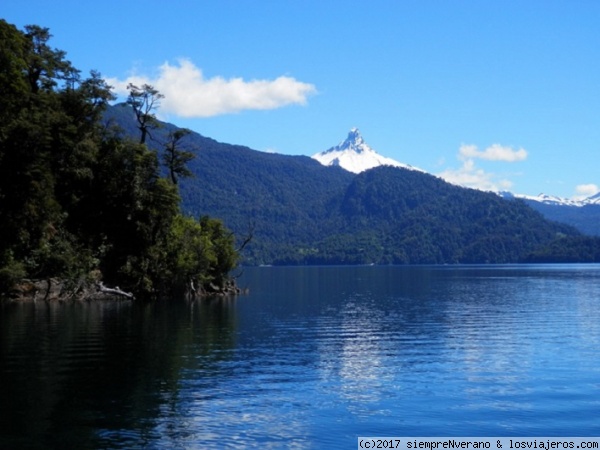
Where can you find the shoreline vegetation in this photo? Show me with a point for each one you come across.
(83, 209)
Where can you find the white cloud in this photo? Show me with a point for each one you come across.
(469, 175)
(473, 177)
(188, 94)
(585, 191)
(495, 152)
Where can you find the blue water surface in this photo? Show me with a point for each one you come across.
(312, 357)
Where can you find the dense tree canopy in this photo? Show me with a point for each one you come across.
(301, 212)
(75, 198)
(305, 213)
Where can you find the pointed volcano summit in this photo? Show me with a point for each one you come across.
(354, 155)
(354, 142)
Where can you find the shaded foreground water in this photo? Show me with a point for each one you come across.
(312, 358)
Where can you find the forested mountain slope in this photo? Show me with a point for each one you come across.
(300, 212)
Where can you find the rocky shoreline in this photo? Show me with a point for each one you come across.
(57, 290)
(54, 289)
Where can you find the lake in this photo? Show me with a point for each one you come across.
(312, 357)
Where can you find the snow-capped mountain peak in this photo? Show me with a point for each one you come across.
(354, 155)
(354, 142)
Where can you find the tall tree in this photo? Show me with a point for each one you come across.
(28, 211)
(174, 157)
(144, 101)
(46, 66)
(13, 86)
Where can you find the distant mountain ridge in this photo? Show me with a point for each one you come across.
(582, 214)
(559, 201)
(300, 211)
(356, 156)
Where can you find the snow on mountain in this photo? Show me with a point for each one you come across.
(354, 155)
(594, 199)
(559, 201)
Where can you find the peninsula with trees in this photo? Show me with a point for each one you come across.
(85, 210)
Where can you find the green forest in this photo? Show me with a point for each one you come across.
(300, 212)
(80, 202)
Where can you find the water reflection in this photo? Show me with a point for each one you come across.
(90, 373)
(311, 358)
(352, 351)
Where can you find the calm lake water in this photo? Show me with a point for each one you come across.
(312, 358)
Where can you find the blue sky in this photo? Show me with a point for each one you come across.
(491, 94)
